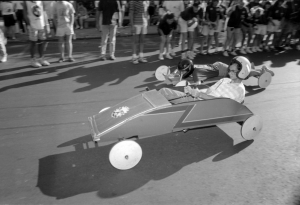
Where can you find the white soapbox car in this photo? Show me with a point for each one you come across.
(151, 114)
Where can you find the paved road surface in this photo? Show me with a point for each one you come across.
(47, 156)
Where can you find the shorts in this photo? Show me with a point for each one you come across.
(275, 27)
(246, 29)
(140, 29)
(208, 30)
(260, 29)
(233, 31)
(36, 34)
(65, 31)
(9, 20)
(184, 26)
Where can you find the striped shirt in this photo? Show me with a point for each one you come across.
(139, 11)
(224, 88)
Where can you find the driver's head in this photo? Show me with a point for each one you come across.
(240, 66)
(186, 68)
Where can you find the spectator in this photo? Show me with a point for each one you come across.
(49, 10)
(287, 25)
(63, 14)
(188, 21)
(138, 15)
(81, 15)
(175, 7)
(3, 42)
(210, 28)
(259, 28)
(8, 13)
(36, 20)
(106, 21)
(236, 14)
(166, 28)
(274, 26)
(247, 29)
(19, 15)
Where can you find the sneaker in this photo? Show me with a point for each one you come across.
(248, 50)
(298, 47)
(242, 51)
(43, 62)
(142, 60)
(61, 60)
(71, 59)
(102, 58)
(168, 56)
(112, 57)
(254, 50)
(190, 55)
(35, 63)
(77, 27)
(225, 53)
(4, 59)
(287, 47)
(196, 50)
(173, 53)
(161, 56)
(135, 60)
(183, 56)
(258, 49)
(267, 48)
(272, 47)
(233, 53)
(266, 69)
(81, 27)
(203, 53)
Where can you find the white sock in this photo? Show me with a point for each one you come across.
(134, 56)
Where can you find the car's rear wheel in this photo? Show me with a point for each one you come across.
(125, 154)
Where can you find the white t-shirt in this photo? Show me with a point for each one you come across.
(62, 12)
(176, 7)
(7, 8)
(35, 12)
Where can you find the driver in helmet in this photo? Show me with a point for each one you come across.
(232, 87)
(200, 73)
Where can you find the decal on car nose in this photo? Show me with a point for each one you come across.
(120, 112)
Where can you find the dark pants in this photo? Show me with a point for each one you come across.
(20, 19)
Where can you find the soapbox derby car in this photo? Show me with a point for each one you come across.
(164, 73)
(150, 114)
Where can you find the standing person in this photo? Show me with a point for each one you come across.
(166, 28)
(274, 26)
(106, 22)
(63, 14)
(236, 15)
(19, 15)
(259, 29)
(8, 13)
(35, 18)
(49, 10)
(210, 29)
(138, 15)
(3, 42)
(175, 7)
(188, 21)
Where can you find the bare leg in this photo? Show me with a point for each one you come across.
(61, 44)
(69, 46)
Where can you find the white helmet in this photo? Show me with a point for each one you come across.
(244, 66)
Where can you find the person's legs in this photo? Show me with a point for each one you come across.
(69, 46)
(168, 40)
(112, 41)
(236, 35)
(183, 31)
(229, 37)
(20, 19)
(104, 39)
(216, 37)
(135, 40)
(141, 50)
(3, 52)
(162, 46)
(61, 46)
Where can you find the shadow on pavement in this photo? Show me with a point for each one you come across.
(88, 169)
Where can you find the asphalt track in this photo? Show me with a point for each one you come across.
(47, 156)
